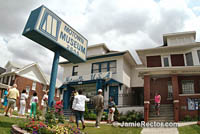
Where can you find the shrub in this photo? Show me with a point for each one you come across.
(131, 116)
(50, 117)
(189, 118)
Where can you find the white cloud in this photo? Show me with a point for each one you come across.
(121, 24)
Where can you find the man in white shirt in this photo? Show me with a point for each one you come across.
(79, 107)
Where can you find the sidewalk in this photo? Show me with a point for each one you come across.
(166, 130)
(159, 131)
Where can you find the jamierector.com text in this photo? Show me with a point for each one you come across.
(144, 124)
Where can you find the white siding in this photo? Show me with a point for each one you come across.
(85, 68)
(33, 74)
(180, 40)
(96, 51)
(136, 81)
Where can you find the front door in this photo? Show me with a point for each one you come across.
(113, 92)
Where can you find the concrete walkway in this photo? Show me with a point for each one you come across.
(159, 131)
(166, 130)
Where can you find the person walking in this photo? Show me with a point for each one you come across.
(34, 101)
(79, 107)
(13, 95)
(71, 117)
(111, 110)
(5, 99)
(44, 104)
(99, 107)
(157, 100)
(23, 98)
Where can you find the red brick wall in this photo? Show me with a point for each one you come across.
(177, 60)
(161, 85)
(184, 107)
(154, 61)
(22, 83)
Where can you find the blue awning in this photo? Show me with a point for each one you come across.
(111, 81)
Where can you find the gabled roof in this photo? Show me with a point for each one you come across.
(45, 76)
(13, 64)
(58, 82)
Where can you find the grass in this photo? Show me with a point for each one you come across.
(108, 129)
(192, 129)
(6, 123)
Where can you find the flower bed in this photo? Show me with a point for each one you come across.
(16, 130)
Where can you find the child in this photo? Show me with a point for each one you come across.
(34, 101)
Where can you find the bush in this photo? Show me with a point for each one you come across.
(116, 114)
(131, 116)
(189, 118)
(50, 117)
(105, 116)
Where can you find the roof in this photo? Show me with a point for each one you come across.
(45, 76)
(58, 82)
(2, 70)
(13, 64)
(167, 49)
(99, 45)
(165, 36)
(3, 85)
(110, 54)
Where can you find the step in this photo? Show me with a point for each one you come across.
(162, 115)
(163, 110)
(167, 119)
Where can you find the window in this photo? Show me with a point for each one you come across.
(27, 89)
(113, 67)
(5, 79)
(188, 87)
(44, 87)
(166, 61)
(198, 53)
(13, 77)
(95, 68)
(170, 90)
(1, 81)
(189, 59)
(75, 71)
(34, 85)
(104, 67)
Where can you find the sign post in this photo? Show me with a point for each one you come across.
(50, 31)
(54, 71)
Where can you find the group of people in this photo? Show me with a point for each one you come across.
(78, 106)
(11, 95)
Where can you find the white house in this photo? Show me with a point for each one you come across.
(112, 71)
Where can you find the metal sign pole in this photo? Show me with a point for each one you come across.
(54, 71)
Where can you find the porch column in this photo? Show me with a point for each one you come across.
(175, 97)
(146, 97)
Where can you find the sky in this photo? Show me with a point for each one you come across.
(120, 24)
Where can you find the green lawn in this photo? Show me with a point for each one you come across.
(6, 123)
(108, 129)
(192, 129)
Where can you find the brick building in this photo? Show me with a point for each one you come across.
(29, 77)
(173, 69)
